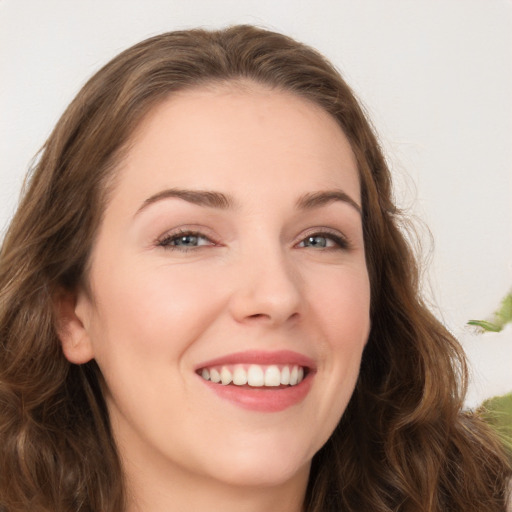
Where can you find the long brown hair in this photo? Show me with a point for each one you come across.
(403, 442)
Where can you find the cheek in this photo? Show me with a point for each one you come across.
(142, 313)
(342, 307)
(342, 320)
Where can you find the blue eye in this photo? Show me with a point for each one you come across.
(324, 241)
(315, 241)
(184, 241)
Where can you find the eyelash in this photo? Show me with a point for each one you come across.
(341, 243)
(166, 241)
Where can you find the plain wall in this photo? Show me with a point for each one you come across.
(435, 77)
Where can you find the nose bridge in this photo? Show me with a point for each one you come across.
(267, 284)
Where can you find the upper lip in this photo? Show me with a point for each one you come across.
(261, 357)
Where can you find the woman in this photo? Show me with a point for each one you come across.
(207, 301)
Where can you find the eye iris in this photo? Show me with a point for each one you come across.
(187, 240)
(316, 241)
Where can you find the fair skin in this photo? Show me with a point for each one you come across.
(268, 271)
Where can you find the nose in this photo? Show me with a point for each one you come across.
(267, 289)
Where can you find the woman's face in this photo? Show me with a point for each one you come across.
(231, 248)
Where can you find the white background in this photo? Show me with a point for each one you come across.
(436, 78)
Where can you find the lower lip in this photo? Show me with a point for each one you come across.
(265, 399)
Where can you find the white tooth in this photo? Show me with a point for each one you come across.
(214, 375)
(293, 376)
(255, 376)
(205, 374)
(225, 376)
(300, 375)
(285, 375)
(239, 376)
(272, 376)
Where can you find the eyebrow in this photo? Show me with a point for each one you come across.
(212, 199)
(205, 198)
(317, 199)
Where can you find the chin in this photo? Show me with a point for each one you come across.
(271, 474)
(257, 466)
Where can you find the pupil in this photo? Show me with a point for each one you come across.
(317, 241)
(188, 240)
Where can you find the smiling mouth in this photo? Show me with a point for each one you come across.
(255, 375)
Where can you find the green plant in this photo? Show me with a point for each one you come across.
(497, 412)
(501, 317)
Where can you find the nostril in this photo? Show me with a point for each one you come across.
(265, 316)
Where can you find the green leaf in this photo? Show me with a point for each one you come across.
(485, 325)
(497, 411)
(500, 318)
(505, 311)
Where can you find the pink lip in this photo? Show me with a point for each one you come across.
(262, 399)
(261, 357)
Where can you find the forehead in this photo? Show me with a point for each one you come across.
(239, 135)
